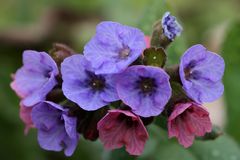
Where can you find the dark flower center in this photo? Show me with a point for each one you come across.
(125, 52)
(129, 122)
(190, 73)
(96, 82)
(147, 85)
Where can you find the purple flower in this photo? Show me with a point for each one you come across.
(114, 47)
(56, 130)
(201, 72)
(36, 78)
(171, 28)
(145, 89)
(83, 87)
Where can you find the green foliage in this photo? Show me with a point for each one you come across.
(176, 50)
(223, 148)
(118, 154)
(159, 147)
(231, 55)
(154, 11)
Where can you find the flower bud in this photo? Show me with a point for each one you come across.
(165, 31)
(60, 51)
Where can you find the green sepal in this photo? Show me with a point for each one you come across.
(154, 57)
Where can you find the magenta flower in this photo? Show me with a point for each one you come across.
(187, 121)
(147, 41)
(123, 128)
(201, 73)
(56, 130)
(114, 47)
(25, 116)
(145, 89)
(171, 28)
(82, 86)
(36, 78)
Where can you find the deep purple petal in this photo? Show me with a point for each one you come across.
(201, 72)
(45, 116)
(56, 130)
(70, 126)
(105, 48)
(77, 87)
(130, 93)
(110, 94)
(70, 145)
(52, 139)
(40, 94)
(36, 78)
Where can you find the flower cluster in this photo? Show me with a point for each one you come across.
(110, 90)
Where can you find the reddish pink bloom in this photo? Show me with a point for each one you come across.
(25, 116)
(147, 41)
(187, 121)
(120, 128)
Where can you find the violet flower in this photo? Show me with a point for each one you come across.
(36, 78)
(187, 121)
(56, 130)
(114, 47)
(145, 89)
(123, 128)
(201, 73)
(171, 28)
(82, 86)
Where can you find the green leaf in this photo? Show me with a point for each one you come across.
(118, 154)
(154, 57)
(176, 49)
(230, 53)
(159, 147)
(223, 148)
(153, 12)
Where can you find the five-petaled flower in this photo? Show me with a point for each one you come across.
(171, 28)
(107, 72)
(187, 121)
(114, 47)
(201, 73)
(145, 89)
(56, 130)
(36, 78)
(122, 127)
(82, 86)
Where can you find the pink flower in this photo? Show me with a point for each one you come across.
(120, 128)
(187, 121)
(147, 41)
(25, 116)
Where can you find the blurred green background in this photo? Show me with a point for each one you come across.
(32, 24)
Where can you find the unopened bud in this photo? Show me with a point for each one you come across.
(60, 51)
